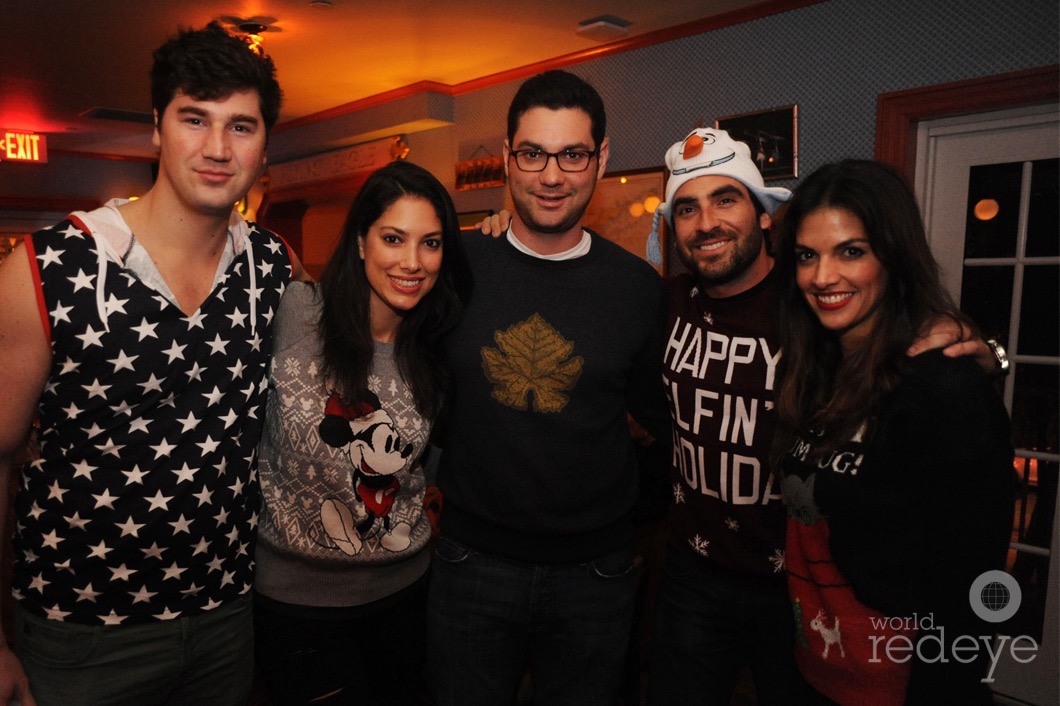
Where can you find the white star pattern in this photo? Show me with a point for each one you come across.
(217, 345)
(105, 499)
(129, 527)
(123, 362)
(121, 573)
(54, 613)
(61, 313)
(188, 423)
(173, 572)
(87, 593)
(195, 320)
(50, 256)
(164, 449)
(142, 596)
(91, 337)
(81, 281)
(135, 475)
(185, 473)
(83, 469)
(77, 522)
(145, 330)
(237, 318)
(115, 305)
(159, 501)
(153, 551)
(138, 424)
(113, 618)
(142, 447)
(175, 352)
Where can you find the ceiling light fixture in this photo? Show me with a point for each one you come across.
(603, 28)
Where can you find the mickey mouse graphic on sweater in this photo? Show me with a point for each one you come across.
(368, 438)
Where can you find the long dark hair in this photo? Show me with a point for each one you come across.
(345, 328)
(819, 389)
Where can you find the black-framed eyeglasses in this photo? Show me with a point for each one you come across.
(532, 160)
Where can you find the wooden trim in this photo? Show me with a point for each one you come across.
(898, 114)
(319, 190)
(669, 34)
(59, 205)
(364, 103)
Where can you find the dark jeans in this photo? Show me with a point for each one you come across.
(490, 617)
(367, 656)
(708, 628)
(204, 659)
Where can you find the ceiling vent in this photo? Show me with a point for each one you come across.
(603, 28)
(128, 116)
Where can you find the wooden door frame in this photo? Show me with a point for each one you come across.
(898, 114)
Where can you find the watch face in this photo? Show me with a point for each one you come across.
(999, 354)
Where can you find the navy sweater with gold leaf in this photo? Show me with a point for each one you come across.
(547, 360)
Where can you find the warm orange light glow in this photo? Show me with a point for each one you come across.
(636, 209)
(986, 209)
(254, 42)
(651, 203)
(622, 180)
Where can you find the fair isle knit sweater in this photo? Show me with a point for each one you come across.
(342, 520)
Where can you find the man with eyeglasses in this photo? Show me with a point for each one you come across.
(561, 339)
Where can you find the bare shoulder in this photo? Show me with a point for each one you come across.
(24, 348)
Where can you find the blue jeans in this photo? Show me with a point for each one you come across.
(488, 618)
(204, 659)
(707, 628)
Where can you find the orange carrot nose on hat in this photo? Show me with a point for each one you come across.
(710, 152)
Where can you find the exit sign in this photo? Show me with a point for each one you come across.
(20, 146)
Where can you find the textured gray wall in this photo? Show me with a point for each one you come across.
(832, 59)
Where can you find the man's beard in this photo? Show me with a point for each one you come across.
(743, 254)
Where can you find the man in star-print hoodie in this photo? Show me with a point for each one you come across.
(138, 335)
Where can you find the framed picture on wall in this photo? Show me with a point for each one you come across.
(772, 135)
(622, 208)
(468, 219)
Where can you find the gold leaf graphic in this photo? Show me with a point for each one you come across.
(532, 357)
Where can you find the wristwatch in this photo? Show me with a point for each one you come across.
(1003, 366)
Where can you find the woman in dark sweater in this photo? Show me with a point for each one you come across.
(897, 470)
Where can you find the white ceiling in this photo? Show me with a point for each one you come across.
(60, 58)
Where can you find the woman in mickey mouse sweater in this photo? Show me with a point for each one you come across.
(354, 388)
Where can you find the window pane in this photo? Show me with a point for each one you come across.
(1040, 310)
(1043, 238)
(986, 296)
(1035, 402)
(993, 210)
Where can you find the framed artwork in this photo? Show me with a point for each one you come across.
(468, 219)
(481, 173)
(772, 135)
(622, 208)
